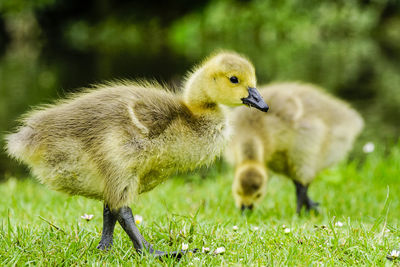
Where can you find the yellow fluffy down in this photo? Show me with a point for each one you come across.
(121, 139)
(305, 131)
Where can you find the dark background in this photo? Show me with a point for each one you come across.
(51, 47)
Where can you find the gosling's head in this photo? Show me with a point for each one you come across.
(249, 185)
(228, 78)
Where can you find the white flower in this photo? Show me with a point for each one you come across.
(369, 147)
(394, 254)
(286, 231)
(196, 258)
(185, 246)
(205, 250)
(283, 226)
(255, 228)
(87, 217)
(138, 219)
(235, 228)
(339, 224)
(219, 250)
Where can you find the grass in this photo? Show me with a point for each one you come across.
(43, 227)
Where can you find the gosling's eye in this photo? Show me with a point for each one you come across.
(234, 79)
(258, 195)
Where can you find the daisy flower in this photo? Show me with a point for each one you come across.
(87, 217)
(339, 224)
(185, 246)
(138, 219)
(369, 147)
(219, 250)
(394, 254)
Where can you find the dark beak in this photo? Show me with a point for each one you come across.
(243, 208)
(255, 100)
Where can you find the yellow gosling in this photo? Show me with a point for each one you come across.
(305, 131)
(119, 140)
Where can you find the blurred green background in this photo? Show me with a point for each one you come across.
(350, 47)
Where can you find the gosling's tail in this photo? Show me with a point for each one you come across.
(19, 145)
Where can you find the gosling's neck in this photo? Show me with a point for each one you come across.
(196, 99)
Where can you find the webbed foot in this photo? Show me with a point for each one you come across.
(125, 217)
(104, 245)
(172, 254)
(303, 200)
(311, 205)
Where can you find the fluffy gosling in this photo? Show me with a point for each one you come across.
(123, 139)
(305, 131)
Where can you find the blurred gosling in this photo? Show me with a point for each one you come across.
(305, 131)
(122, 139)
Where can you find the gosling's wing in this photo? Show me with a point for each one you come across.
(155, 110)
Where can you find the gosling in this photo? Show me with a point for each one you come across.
(123, 139)
(305, 131)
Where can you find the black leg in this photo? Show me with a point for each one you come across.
(109, 220)
(303, 199)
(125, 218)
